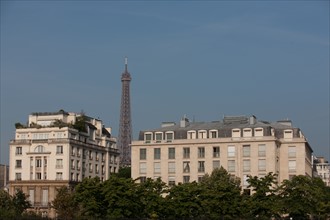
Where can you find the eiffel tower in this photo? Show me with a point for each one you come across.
(125, 122)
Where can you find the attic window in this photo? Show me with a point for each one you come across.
(258, 132)
(191, 135)
(169, 136)
(236, 133)
(147, 137)
(159, 137)
(288, 134)
(213, 134)
(202, 134)
(247, 132)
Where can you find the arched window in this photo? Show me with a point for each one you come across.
(39, 149)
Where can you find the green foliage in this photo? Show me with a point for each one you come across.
(20, 202)
(221, 195)
(12, 207)
(124, 172)
(184, 201)
(19, 125)
(217, 196)
(80, 123)
(264, 202)
(121, 198)
(65, 205)
(303, 196)
(88, 194)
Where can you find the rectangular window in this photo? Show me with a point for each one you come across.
(18, 164)
(213, 134)
(261, 150)
(231, 151)
(143, 154)
(201, 166)
(246, 165)
(159, 137)
(38, 176)
(231, 165)
(44, 201)
(38, 162)
(201, 152)
(171, 181)
(216, 164)
(157, 167)
(59, 149)
(59, 176)
(292, 166)
(59, 163)
(245, 178)
(200, 178)
(90, 166)
(262, 165)
(31, 196)
(18, 176)
(169, 137)
(186, 152)
(147, 138)
(143, 179)
(157, 153)
(246, 150)
(143, 168)
(171, 167)
(292, 151)
(18, 151)
(186, 179)
(216, 152)
(171, 153)
(186, 166)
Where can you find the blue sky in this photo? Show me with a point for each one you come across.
(204, 59)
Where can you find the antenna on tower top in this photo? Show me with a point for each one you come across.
(125, 63)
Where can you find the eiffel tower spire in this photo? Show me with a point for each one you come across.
(125, 123)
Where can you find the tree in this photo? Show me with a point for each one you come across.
(124, 172)
(151, 199)
(302, 196)
(90, 197)
(20, 202)
(7, 208)
(264, 202)
(121, 198)
(184, 201)
(64, 203)
(220, 197)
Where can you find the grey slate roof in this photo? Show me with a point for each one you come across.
(225, 127)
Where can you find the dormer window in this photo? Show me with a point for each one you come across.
(236, 132)
(288, 134)
(213, 134)
(191, 135)
(169, 136)
(148, 137)
(247, 132)
(202, 134)
(258, 132)
(159, 137)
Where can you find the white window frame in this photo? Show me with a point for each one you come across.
(202, 134)
(258, 132)
(146, 134)
(168, 140)
(191, 134)
(247, 132)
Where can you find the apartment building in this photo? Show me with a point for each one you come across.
(186, 151)
(322, 167)
(59, 149)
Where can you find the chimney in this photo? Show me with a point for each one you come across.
(184, 122)
(252, 120)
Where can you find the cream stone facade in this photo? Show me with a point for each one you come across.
(244, 146)
(51, 151)
(322, 167)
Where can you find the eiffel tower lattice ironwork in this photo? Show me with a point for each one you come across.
(125, 122)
